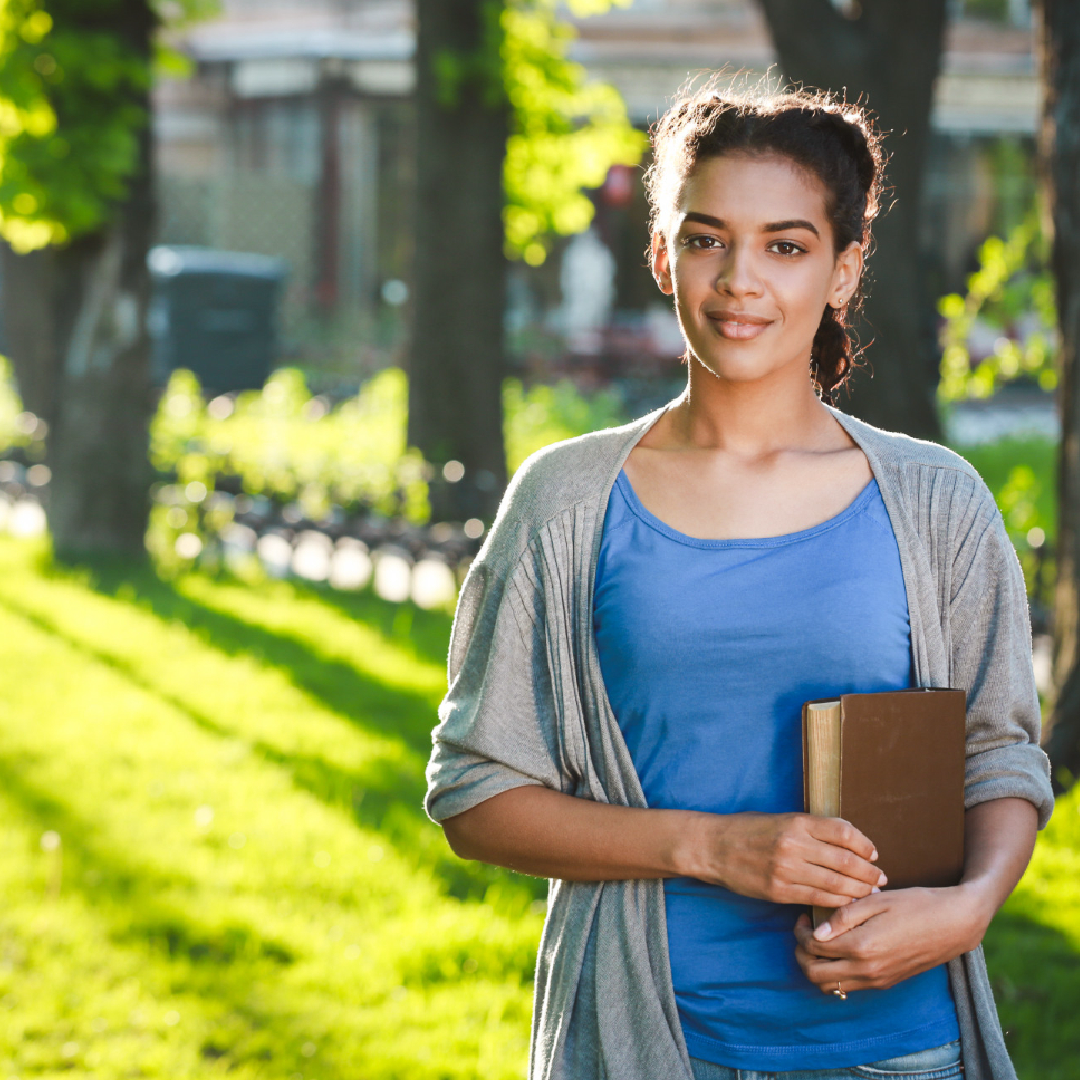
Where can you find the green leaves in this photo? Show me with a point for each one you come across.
(285, 444)
(72, 88)
(1012, 293)
(69, 95)
(73, 84)
(566, 132)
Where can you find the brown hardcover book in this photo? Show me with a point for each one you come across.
(892, 764)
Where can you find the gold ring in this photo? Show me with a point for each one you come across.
(839, 991)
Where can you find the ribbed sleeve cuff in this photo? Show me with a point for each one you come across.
(470, 784)
(1019, 771)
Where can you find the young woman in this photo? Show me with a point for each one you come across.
(655, 602)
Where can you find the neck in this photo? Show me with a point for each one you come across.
(750, 418)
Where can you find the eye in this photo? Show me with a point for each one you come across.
(786, 247)
(702, 242)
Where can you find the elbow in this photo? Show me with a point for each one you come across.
(459, 837)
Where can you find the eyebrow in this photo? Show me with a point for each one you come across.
(771, 227)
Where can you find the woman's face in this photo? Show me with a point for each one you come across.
(750, 259)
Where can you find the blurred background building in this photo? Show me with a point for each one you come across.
(292, 138)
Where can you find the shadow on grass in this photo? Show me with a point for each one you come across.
(427, 632)
(382, 796)
(1035, 972)
(356, 696)
(220, 962)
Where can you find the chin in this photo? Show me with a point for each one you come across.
(738, 369)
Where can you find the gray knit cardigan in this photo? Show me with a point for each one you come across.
(527, 705)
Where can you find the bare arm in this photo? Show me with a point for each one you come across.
(786, 858)
(882, 939)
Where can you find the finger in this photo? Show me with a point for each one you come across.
(831, 880)
(828, 975)
(819, 970)
(809, 946)
(804, 936)
(808, 896)
(843, 834)
(842, 861)
(820, 950)
(803, 958)
(850, 916)
(803, 882)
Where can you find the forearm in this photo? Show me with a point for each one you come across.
(785, 858)
(537, 831)
(999, 837)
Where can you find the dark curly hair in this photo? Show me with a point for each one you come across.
(838, 142)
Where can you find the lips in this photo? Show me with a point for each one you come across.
(738, 325)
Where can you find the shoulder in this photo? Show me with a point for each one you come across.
(932, 494)
(571, 471)
(893, 448)
(558, 477)
(918, 470)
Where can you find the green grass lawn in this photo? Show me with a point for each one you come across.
(245, 884)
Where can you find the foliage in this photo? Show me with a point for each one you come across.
(71, 86)
(537, 417)
(566, 132)
(284, 444)
(290, 447)
(71, 118)
(1020, 472)
(10, 407)
(1013, 285)
(233, 874)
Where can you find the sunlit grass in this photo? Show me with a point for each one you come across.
(1033, 953)
(245, 883)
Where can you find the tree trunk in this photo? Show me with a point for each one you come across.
(889, 53)
(457, 357)
(1061, 75)
(75, 319)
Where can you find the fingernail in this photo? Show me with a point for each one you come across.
(875, 889)
(873, 856)
(823, 932)
(883, 880)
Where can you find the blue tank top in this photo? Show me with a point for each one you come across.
(708, 649)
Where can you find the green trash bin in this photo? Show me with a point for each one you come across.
(215, 313)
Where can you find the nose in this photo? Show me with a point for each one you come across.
(738, 275)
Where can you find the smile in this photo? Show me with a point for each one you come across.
(737, 326)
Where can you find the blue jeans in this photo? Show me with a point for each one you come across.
(940, 1063)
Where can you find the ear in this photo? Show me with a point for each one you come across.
(847, 272)
(661, 264)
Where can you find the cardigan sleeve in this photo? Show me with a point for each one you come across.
(497, 726)
(991, 660)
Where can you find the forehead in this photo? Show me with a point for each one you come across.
(747, 188)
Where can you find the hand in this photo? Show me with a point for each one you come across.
(879, 940)
(787, 858)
